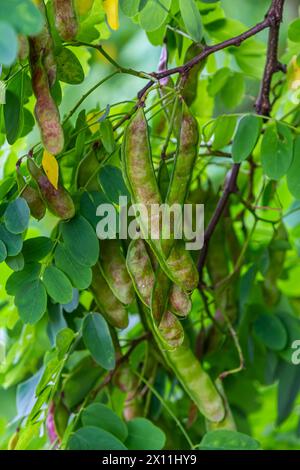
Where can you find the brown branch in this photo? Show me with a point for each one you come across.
(270, 19)
(263, 108)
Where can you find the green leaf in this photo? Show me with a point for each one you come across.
(294, 30)
(228, 440)
(6, 186)
(101, 416)
(246, 137)
(57, 285)
(16, 263)
(154, 14)
(192, 19)
(80, 276)
(13, 116)
(218, 81)
(23, 15)
(17, 215)
(288, 389)
(8, 44)
(69, 69)
(15, 282)
(97, 338)
(143, 435)
(81, 241)
(12, 241)
(107, 136)
(293, 179)
(112, 183)
(31, 300)
(92, 438)
(292, 326)
(36, 249)
(277, 151)
(271, 331)
(89, 203)
(224, 128)
(130, 7)
(233, 91)
(3, 251)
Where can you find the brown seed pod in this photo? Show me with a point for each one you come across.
(58, 201)
(65, 19)
(31, 195)
(110, 307)
(42, 47)
(46, 111)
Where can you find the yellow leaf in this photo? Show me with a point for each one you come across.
(293, 76)
(111, 8)
(51, 168)
(92, 120)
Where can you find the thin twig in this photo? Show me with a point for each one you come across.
(263, 108)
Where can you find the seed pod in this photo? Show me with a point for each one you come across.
(185, 159)
(196, 382)
(65, 19)
(141, 181)
(46, 111)
(42, 47)
(36, 204)
(180, 303)
(141, 271)
(110, 307)
(182, 268)
(170, 331)
(190, 89)
(23, 47)
(113, 267)
(228, 421)
(58, 201)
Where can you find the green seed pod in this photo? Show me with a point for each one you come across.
(177, 193)
(36, 204)
(170, 331)
(185, 159)
(228, 421)
(65, 19)
(180, 303)
(46, 111)
(141, 181)
(140, 269)
(110, 307)
(58, 201)
(113, 267)
(182, 268)
(42, 47)
(190, 89)
(160, 296)
(196, 382)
